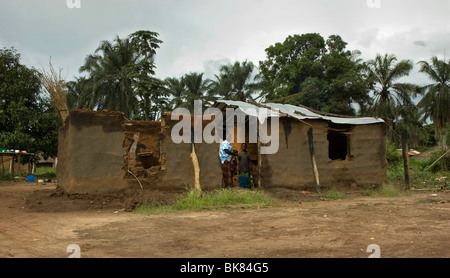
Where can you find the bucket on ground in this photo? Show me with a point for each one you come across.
(31, 178)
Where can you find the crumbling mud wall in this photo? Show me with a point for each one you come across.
(365, 162)
(90, 153)
(100, 151)
(369, 154)
(177, 168)
(290, 166)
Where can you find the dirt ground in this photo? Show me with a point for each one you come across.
(39, 221)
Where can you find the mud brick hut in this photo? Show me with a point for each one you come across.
(347, 150)
(101, 151)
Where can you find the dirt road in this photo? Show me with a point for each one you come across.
(36, 221)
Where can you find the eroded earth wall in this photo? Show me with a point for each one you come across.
(90, 152)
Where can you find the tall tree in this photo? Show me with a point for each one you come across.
(435, 103)
(306, 69)
(27, 119)
(389, 94)
(108, 80)
(176, 90)
(120, 76)
(290, 63)
(235, 82)
(148, 88)
(195, 89)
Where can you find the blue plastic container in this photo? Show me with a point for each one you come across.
(31, 178)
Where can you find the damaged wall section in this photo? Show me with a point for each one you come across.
(100, 151)
(90, 153)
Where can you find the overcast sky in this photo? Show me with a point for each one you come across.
(201, 35)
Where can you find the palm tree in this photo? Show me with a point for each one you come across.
(195, 89)
(176, 90)
(390, 95)
(234, 82)
(109, 81)
(435, 103)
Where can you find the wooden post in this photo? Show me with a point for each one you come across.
(196, 169)
(313, 159)
(3, 165)
(194, 159)
(259, 161)
(12, 166)
(405, 157)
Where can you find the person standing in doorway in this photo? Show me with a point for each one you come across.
(244, 167)
(225, 154)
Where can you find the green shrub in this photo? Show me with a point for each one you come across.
(45, 172)
(392, 155)
(443, 164)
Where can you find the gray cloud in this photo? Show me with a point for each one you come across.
(201, 34)
(420, 43)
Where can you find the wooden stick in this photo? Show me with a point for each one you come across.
(437, 160)
(259, 161)
(196, 169)
(313, 159)
(136, 179)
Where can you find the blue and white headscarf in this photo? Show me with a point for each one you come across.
(223, 155)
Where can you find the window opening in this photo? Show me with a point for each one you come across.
(338, 141)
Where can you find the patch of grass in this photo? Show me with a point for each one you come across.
(389, 190)
(333, 194)
(5, 175)
(45, 172)
(419, 175)
(216, 199)
(369, 192)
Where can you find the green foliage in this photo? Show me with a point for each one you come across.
(27, 119)
(392, 155)
(438, 161)
(195, 88)
(445, 136)
(428, 139)
(120, 76)
(45, 172)
(435, 103)
(4, 176)
(421, 176)
(217, 199)
(392, 100)
(320, 74)
(234, 82)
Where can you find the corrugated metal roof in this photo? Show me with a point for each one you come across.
(265, 110)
